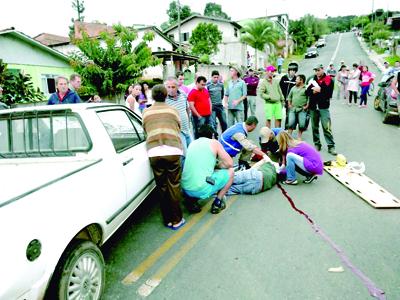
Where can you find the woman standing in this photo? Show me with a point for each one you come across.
(353, 83)
(366, 78)
(343, 79)
(132, 100)
(299, 156)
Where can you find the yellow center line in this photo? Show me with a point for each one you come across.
(157, 254)
(147, 288)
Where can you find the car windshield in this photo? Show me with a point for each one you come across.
(46, 133)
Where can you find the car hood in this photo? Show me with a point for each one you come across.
(19, 178)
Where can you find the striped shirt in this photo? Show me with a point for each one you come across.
(162, 125)
(182, 105)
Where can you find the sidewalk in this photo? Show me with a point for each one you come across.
(376, 58)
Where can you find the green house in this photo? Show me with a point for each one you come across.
(42, 63)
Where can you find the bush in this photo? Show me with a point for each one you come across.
(392, 59)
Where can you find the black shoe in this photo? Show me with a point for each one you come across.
(332, 151)
(216, 209)
(310, 179)
(192, 205)
(318, 147)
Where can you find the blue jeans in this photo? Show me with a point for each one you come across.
(324, 116)
(364, 94)
(299, 117)
(218, 112)
(197, 123)
(246, 182)
(292, 161)
(235, 116)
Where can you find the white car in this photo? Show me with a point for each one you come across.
(70, 175)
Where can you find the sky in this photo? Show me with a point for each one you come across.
(54, 16)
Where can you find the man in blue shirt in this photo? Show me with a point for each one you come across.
(63, 95)
(216, 90)
(234, 96)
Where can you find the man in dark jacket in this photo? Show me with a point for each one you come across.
(286, 83)
(63, 95)
(319, 91)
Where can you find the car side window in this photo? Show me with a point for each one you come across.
(121, 128)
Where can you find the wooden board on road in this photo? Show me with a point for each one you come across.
(364, 187)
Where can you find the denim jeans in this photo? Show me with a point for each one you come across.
(186, 139)
(218, 112)
(252, 104)
(297, 118)
(197, 123)
(324, 116)
(246, 182)
(235, 116)
(364, 95)
(293, 160)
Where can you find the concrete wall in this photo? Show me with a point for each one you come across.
(16, 51)
(206, 70)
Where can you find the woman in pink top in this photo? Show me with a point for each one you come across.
(366, 78)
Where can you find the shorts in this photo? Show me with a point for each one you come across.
(273, 110)
(221, 178)
(298, 118)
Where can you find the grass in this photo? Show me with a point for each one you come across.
(392, 59)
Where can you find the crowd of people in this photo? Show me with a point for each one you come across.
(195, 132)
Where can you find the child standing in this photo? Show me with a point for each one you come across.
(366, 78)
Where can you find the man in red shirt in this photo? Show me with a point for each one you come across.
(200, 104)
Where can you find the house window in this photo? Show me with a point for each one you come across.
(185, 36)
(49, 83)
(171, 36)
(236, 32)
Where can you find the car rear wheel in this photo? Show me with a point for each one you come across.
(377, 103)
(81, 273)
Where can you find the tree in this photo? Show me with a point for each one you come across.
(18, 88)
(215, 10)
(259, 33)
(110, 63)
(205, 39)
(79, 7)
(172, 13)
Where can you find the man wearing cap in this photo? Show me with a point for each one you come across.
(252, 81)
(235, 93)
(319, 91)
(235, 141)
(271, 92)
(286, 83)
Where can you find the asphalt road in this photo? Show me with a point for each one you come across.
(259, 247)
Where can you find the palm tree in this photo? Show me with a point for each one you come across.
(259, 33)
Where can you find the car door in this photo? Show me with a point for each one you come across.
(128, 138)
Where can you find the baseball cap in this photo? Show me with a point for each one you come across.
(265, 133)
(319, 66)
(270, 68)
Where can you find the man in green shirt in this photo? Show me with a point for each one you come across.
(298, 105)
(271, 92)
(235, 94)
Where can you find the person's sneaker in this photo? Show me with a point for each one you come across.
(290, 182)
(318, 147)
(217, 206)
(310, 179)
(243, 165)
(332, 151)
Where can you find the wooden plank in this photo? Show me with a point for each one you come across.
(364, 187)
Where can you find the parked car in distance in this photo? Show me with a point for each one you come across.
(386, 101)
(320, 43)
(70, 176)
(311, 52)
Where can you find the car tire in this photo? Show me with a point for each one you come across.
(82, 268)
(377, 103)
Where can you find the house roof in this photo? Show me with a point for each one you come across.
(91, 29)
(33, 42)
(156, 29)
(49, 39)
(235, 24)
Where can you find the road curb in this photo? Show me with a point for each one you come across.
(373, 58)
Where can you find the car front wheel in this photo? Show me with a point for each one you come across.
(377, 103)
(81, 273)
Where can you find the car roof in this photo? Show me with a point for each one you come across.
(58, 107)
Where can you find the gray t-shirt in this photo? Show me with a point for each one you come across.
(216, 91)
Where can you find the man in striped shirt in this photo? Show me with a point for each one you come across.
(178, 99)
(164, 148)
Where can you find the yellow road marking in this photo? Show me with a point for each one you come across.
(157, 254)
(148, 287)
